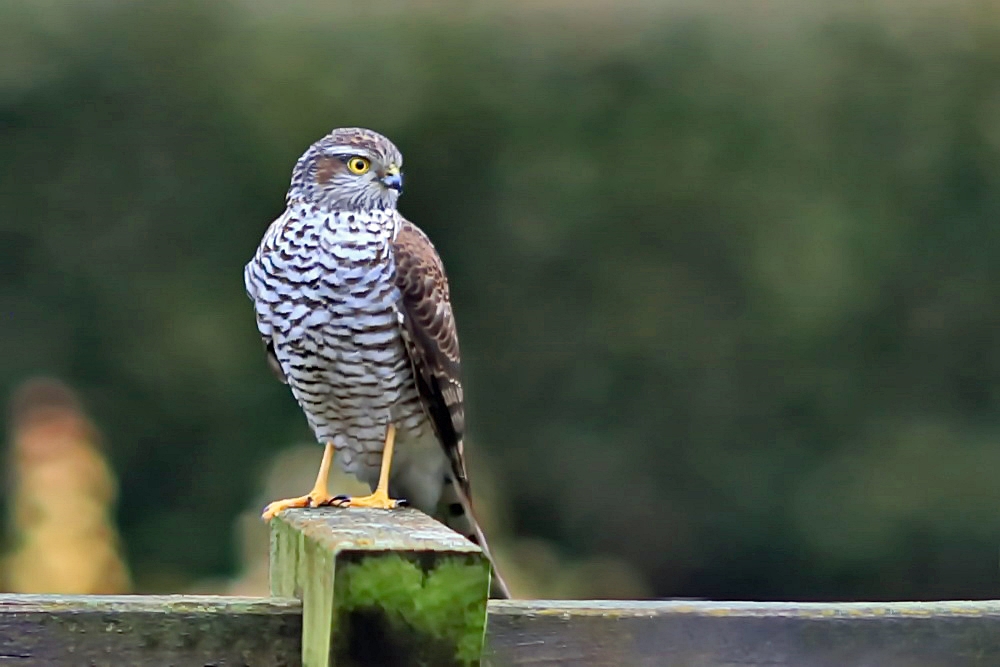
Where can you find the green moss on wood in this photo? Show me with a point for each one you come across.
(435, 614)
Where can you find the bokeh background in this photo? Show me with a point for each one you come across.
(726, 274)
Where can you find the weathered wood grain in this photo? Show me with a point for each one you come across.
(387, 588)
(731, 634)
(196, 631)
(149, 631)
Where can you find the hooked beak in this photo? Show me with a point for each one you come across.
(393, 178)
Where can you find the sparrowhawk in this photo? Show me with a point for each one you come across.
(352, 303)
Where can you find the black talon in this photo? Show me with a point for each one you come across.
(402, 502)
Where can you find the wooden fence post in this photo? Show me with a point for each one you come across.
(380, 590)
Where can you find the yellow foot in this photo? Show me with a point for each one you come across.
(379, 500)
(313, 499)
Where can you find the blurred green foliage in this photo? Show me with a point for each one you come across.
(726, 278)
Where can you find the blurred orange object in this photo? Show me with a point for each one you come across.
(62, 498)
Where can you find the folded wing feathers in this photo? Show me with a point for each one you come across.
(432, 343)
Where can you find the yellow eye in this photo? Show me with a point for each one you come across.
(358, 165)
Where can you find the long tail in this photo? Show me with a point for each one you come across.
(455, 511)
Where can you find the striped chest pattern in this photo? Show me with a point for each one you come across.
(323, 290)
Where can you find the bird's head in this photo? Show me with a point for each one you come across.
(350, 169)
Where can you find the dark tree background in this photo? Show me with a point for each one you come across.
(726, 274)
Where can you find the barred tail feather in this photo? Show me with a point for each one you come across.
(455, 511)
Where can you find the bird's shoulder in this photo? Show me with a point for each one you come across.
(425, 304)
(297, 216)
(419, 269)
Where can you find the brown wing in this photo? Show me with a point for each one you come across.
(431, 339)
(432, 343)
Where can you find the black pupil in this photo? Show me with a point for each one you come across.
(359, 164)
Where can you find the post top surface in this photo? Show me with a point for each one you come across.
(358, 529)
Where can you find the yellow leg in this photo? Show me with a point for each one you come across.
(380, 498)
(317, 497)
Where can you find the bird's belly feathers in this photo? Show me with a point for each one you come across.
(334, 324)
(352, 377)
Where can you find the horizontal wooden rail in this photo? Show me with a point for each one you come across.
(745, 634)
(148, 631)
(395, 589)
(141, 631)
